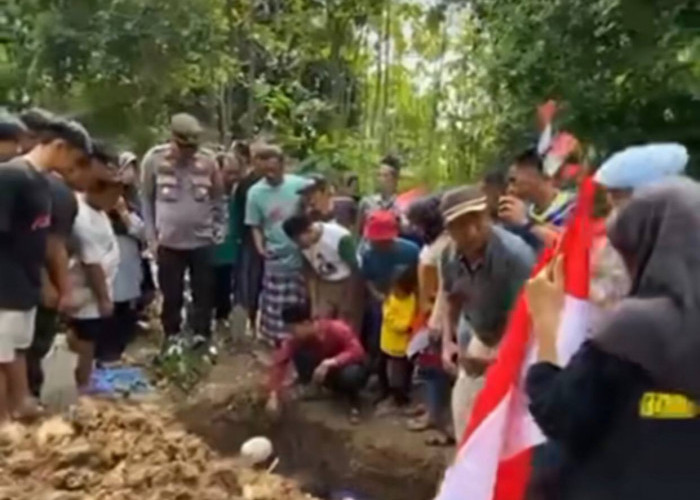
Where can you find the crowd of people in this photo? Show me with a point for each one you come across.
(360, 295)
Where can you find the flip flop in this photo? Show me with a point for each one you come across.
(414, 411)
(354, 416)
(418, 424)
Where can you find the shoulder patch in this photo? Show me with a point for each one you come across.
(161, 150)
(207, 152)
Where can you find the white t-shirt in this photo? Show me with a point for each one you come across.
(430, 254)
(96, 244)
(324, 256)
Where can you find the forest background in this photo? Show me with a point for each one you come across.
(449, 85)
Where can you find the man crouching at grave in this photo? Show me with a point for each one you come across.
(326, 354)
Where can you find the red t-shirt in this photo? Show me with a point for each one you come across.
(334, 340)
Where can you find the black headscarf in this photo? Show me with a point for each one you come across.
(658, 325)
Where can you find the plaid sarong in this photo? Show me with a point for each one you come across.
(279, 289)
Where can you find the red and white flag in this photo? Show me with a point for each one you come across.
(494, 456)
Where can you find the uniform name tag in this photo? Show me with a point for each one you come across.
(663, 405)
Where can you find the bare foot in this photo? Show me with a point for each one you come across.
(29, 411)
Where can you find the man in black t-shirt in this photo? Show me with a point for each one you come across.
(63, 177)
(25, 224)
(64, 209)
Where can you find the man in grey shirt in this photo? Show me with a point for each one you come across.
(482, 272)
(184, 213)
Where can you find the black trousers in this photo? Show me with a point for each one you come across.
(223, 290)
(44, 333)
(172, 265)
(397, 375)
(120, 329)
(148, 286)
(371, 333)
(346, 381)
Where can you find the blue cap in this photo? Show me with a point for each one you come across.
(639, 166)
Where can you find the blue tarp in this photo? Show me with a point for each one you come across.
(120, 380)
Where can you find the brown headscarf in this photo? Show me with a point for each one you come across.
(658, 325)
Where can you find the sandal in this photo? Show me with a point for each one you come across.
(354, 416)
(441, 441)
(414, 411)
(419, 424)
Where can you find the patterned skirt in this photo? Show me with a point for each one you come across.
(279, 289)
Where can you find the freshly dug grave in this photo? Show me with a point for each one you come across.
(323, 453)
(111, 450)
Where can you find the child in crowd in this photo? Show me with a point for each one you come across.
(226, 254)
(94, 266)
(130, 233)
(398, 317)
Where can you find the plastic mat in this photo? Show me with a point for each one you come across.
(119, 380)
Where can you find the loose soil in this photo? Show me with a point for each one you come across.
(115, 450)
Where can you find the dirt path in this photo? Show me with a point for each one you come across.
(378, 460)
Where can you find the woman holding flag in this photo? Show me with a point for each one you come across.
(623, 409)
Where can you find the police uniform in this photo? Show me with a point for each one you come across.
(185, 215)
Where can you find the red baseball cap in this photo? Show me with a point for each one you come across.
(382, 225)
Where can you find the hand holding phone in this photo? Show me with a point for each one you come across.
(512, 210)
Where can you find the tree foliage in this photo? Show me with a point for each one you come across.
(449, 85)
(625, 70)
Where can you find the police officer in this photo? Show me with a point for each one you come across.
(183, 208)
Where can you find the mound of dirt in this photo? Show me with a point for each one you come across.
(122, 451)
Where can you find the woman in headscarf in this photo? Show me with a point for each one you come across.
(129, 171)
(624, 408)
(129, 166)
(620, 175)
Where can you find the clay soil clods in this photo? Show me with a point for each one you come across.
(111, 450)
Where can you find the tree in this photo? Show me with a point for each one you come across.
(449, 85)
(121, 65)
(624, 69)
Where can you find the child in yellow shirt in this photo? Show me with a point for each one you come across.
(398, 314)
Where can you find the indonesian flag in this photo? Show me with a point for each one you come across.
(493, 459)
